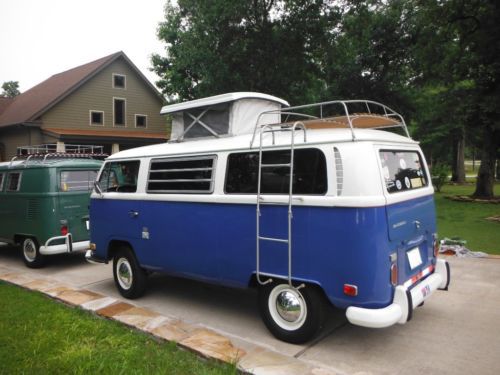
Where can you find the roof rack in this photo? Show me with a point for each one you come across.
(52, 148)
(43, 153)
(351, 114)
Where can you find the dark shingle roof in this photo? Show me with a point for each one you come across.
(4, 103)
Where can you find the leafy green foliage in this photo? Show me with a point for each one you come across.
(222, 46)
(439, 173)
(10, 89)
(435, 61)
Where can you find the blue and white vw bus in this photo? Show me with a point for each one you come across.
(313, 205)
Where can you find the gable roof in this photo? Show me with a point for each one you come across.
(31, 104)
(4, 103)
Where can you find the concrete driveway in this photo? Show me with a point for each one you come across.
(455, 332)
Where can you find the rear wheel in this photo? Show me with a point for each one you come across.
(31, 253)
(130, 278)
(292, 315)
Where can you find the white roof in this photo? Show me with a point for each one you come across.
(242, 142)
(218, 99)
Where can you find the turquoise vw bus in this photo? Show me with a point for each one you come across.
(44, 202)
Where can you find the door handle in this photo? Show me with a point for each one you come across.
(133, 214)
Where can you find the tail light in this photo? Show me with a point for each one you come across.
(350, 290)
(64, 230)
(394, 274)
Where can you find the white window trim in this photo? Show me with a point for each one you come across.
(124, 81)
(141, 127)
(3, 176)
(124, 114)
(90, 118)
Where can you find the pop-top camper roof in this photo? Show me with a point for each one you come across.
(228, 114)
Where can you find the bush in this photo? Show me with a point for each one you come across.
(440, 173)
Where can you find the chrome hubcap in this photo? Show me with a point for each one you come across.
(288, 306)
(29, 250)
(124, 273)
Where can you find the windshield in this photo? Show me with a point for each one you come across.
(119, 177)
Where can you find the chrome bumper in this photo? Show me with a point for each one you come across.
(400, 311)
(67, 247)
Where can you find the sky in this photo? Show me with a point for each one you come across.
(40, 38)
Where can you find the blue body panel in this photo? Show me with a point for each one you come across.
(215, 242)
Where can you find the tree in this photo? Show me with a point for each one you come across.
(459, 51)
(10, 89)
(368, 55)
(238, 45)
(436, 61)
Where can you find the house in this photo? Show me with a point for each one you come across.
(106, 102)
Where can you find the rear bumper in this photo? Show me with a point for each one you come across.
(405, 300)
(67, 247)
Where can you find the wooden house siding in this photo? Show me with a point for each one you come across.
(97, 95)
(13, 137)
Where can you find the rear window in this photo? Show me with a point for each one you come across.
(402, 170)
(77, 180)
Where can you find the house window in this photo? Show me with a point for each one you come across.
(14, 181)
(141, 121)
(118, 81)
(119, 112)
(96, 118)
(1, 181)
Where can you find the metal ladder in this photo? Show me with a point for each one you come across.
(288, 241)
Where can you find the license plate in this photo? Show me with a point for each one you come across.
(87, 224)
(414, 258)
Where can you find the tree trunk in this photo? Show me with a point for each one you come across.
(486, 174)
(498, 170)
(458, 173)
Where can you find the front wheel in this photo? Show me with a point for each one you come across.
(31, 253)
(292, 315)
(130, 278)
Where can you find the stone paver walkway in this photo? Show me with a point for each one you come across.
(250, 358)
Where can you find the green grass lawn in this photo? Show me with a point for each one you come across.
(467, 220)
(41, 336)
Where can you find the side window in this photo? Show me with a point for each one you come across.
(13, 181)
(119, 176)
(1, 181)
(77, 180)
(309, 172)
(402, 170)
(182, 175)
